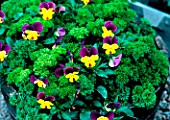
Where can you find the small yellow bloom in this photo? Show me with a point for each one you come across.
(107, 32)
(85, 2)
(45, 104)
(47, 14)
(32, 35)
(40, 83)
(2, 55)
(1, 20)
(110, 49)
(72, 76)
(89, 61)
(102, 118)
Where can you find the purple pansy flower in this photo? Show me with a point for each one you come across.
(59, 71)
(110, 26)
(2, 16)
(60, 33)
(60, 9)
(40, 82)
(115, 61)
(45, 102)
(110, 41)
(113, 105)
(4, 50)
(98, 116)
(47, 9)
(88, 57)
(71, 73)
(32, 31)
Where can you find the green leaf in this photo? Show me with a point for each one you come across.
(102, 90)
(109, 72)
(2, 30)
(85, 116)
(97, 103)
(127, 111)
(103, 65)
(72, 2)
(49, 40)
(95, 46)
(9, 41)
(101, 73)
(66, 116)
(73, 114)
(18, 15)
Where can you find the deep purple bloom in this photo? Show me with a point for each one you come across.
(4, 50)
(97, 115)
(115, 61)
(40, 82)
(110, 41)
(68, 70)
(45, 102)
(2, 16)
(60, 9)
(113, 105)
(60, 33)
(71, 55)
(42, 96)
(59, 71)
(110, 26)
(85, 52)
(47, 5)
(37, 26)
(5, 47)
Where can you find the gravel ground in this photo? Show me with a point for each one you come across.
(4, 115)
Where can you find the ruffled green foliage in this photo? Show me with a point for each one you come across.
(19, 56)
(18, 76)
(45, 58)
(144, 96)
(141, 61)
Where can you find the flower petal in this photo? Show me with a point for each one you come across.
(37, 26)
(84, 52)
(110, 26)
(93, 51)
(61, 31)
(60, 9)
(7, 48)
(41, 95)
(58, 72)
(33, 79)
(0, 46)
(68, 70)
(107, 40)
(76, 69)
(110, 115)
(45, 80)
(50, 98)
(2, 15)
(43, 5)
(62, 65)
(115, 40)
(59, 39)
(24, 27)
(117, 104)
(117, 60)
(51, 5)
(94, 115)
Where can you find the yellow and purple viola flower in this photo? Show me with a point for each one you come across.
(45, 102)
(108, 29)
(4, 50)
(59, 71)
(115, 61)
(31, 32)
(89, 57)
(40, 82)
(71, 73)
(2, 16)
(60, 9)
(110, 44)
(47, 9)
(98, 116)
(112, 106)
(86, 2)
